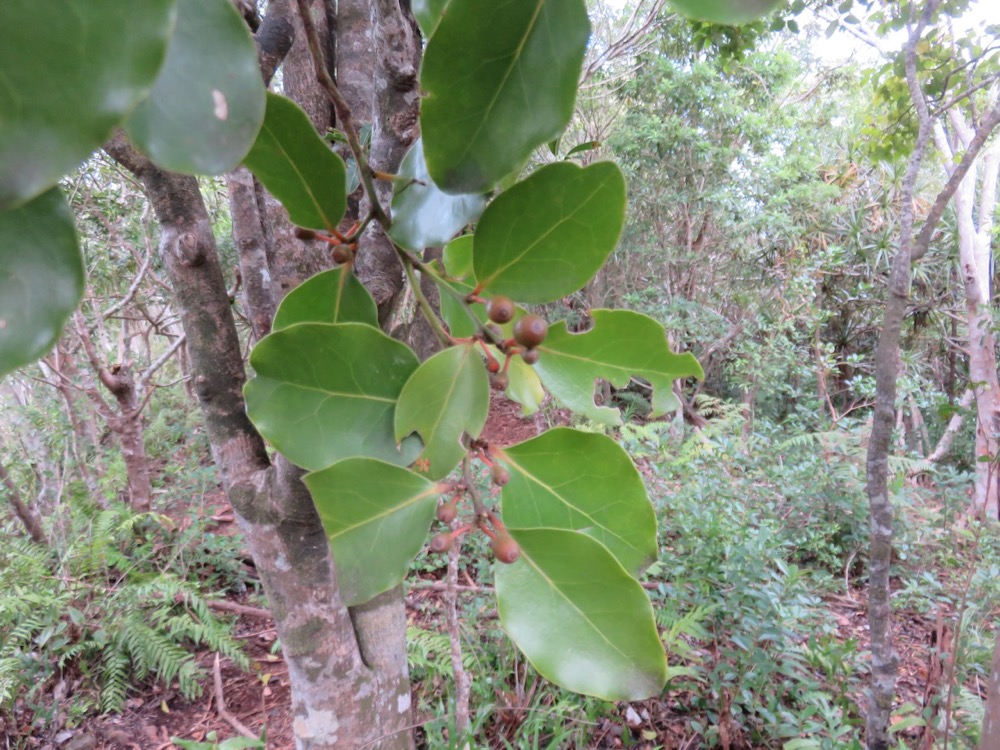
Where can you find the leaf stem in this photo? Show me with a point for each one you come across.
(343, 110)
(422, 301)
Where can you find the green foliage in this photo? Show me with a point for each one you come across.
(57, 108)
(297, 167)
(105, 612)
(207, 103)
(447, 397)
(548, 235)
(519, 57)
(729, 12)
(41, 278)
(334, 296)
(422, 214)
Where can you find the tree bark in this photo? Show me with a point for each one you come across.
(24, 512)
(338, 701)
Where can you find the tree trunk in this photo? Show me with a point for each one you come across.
(991, 720)
(24, 512)
(975, 260)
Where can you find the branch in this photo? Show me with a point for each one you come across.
(161, 360)
(983, 132)
(130, 294)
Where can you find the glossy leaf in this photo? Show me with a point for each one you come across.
(41, 277)
(428, 13)
(376, 517)
(448, 396)
(525, 387)
(334, 296)
(207, 104)
(324, 392)
(71, 72)
(501, 80)
(730, 12)
(423, 215)
(583, 622)
(547, 236)
(621, 344)
(581, 481)
(297, 167)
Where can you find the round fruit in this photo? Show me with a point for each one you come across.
(342, 254)
(530, 357)
(447, 512)
(304, 234)
(500, 381)
(530, 331)
(505, 549)
(442, 542)
(500, 309)
(729, 12)
(500, 475)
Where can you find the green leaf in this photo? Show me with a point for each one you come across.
(71, 72)
(729, 12)
(448, 396)
(428, 13)
(297, 167)
(324, 392)
(207, 104)
(579, 617)
(525, 388)
(376, 516)
(422, 215)
(620, 345)
(500, 80)
(547, 236)
(335, 296)
(41, 277)
(457, 257)
(581, 481)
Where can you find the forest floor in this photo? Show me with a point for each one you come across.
(261, 699)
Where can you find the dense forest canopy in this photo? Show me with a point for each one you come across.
(551, 373)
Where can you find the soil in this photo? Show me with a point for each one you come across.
(261, 699)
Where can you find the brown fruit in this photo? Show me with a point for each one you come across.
(500, 309)
(530, 331)
(342, 254)
(304, 234)
(500, 381)
(530, 357)
(442, 542)
(500, 475)
(447, 511)
(505, 549)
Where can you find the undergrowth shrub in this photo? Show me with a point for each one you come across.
(105, 612)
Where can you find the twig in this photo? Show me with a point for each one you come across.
(463, 681)
(239, 609)
(220, 704)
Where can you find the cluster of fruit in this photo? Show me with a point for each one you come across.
(529, 332)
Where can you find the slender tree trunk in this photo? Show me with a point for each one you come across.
(990, 739)
(24, 512)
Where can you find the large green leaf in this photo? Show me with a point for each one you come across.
(376, 516)
(70, 71)
(731, 12)
(428, 13)
(620, 345)
(547, 236)
(324, 392)
(457, 257)
(579, 617)
(448, 396)
(423, 215)
(41, 277)
(501, 80)
(207, 104)
(581, 481)
(334, 296)
(297, 166)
